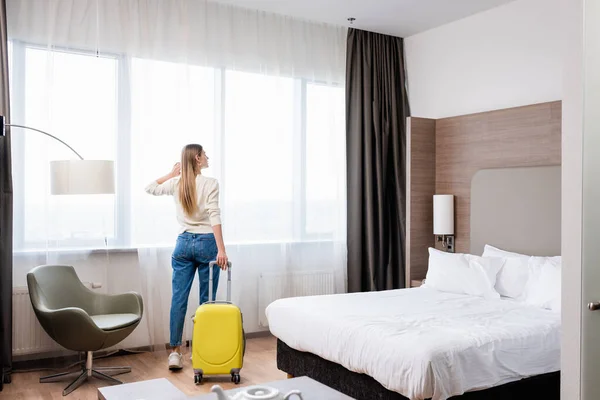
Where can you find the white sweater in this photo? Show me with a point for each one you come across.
(208, 213)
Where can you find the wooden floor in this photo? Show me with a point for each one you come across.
(259, 367)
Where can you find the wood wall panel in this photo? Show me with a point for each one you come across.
(421, 149)
(515, 137)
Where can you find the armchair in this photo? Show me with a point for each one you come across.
(80, 319)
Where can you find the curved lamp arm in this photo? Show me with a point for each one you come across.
(2, 125)
(73, 176)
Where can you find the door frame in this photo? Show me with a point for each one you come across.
(572, 190)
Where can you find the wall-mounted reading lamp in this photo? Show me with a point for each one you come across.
(443, 220)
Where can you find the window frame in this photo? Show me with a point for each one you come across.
(123, 201)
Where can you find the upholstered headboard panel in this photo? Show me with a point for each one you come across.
(517, 209)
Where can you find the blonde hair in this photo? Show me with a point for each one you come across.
(187, 183)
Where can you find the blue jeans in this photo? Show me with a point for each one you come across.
(193, 251)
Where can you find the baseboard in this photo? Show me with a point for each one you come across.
(259, 334)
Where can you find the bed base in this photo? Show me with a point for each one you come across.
(363, 387)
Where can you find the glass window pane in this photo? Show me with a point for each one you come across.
(258, 175)
(74, 97)
(325, 139)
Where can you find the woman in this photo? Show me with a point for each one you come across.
(200, 240)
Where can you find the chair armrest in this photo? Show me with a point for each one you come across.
(125, 303)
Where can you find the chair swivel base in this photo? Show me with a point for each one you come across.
(104, 373)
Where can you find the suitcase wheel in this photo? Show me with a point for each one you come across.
(197, 379)
(235, 378)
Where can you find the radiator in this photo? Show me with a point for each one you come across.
(274, 286)
(28, 336)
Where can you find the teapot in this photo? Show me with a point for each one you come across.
(256, 393)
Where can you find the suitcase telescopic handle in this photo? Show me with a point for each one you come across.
(210, 280)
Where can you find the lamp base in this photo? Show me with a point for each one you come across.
(87, 372)
(447, 242)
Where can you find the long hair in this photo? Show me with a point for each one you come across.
(187, 183)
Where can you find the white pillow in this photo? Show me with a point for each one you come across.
(544, 284)
(463, 273)
(513, 276)
(491, 251)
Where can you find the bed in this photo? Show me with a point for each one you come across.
(419, 342)
(422, 343)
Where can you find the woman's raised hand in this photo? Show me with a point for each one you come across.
(176, 170)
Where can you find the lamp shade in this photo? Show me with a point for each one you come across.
(443, 214)
(82, 177)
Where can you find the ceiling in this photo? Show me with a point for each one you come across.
(393, 17)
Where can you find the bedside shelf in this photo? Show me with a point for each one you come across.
(416, 282)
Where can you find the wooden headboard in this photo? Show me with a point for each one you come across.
(528, 136)
(517, 137)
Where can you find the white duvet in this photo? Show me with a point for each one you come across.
(420, 342)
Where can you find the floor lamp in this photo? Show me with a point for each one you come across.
(71, 177)
(74, 176)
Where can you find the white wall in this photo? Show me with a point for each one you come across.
(505, 57)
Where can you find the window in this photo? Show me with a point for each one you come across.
(273, 142)
(75, 97)
(259, 129)
(171, 105)
(325, 150)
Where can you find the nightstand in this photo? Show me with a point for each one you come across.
(416, 282)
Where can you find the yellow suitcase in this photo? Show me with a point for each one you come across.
(218, 340)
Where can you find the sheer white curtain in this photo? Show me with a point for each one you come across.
(136, 81)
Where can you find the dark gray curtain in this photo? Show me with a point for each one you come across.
(6, 210)
(376, 111)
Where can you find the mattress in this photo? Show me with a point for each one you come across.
(420, 342)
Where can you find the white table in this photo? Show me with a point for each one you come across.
(153, 389)
(162, 389)
(311, 390)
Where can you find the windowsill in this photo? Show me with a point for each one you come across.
(75, 250)
(125, 250)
